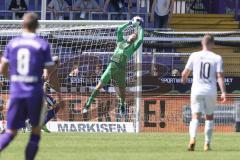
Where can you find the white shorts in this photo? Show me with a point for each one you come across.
(205, 104)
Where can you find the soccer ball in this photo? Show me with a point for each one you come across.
(137, 21)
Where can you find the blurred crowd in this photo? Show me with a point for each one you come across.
(157, 12)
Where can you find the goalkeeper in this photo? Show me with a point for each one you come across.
(116, 69)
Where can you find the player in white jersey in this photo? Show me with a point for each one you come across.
(207, 68)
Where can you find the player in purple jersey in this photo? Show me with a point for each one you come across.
(52, 106)
(26, 56)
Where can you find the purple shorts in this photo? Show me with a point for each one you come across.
(21, 109)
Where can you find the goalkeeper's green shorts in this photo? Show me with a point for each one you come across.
(115, 73)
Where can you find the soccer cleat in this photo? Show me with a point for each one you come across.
(45, 129)
(85, 109)
(3, 131)
(206, 147)
(191, 145)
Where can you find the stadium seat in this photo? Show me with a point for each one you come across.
(204, 22)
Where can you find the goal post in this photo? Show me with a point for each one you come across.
(87, 46)
(44, 10)
(139, 88)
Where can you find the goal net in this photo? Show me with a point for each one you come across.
(156, 100)
(84, 49)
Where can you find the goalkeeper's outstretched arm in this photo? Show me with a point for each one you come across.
(139, 40)
(120, 32)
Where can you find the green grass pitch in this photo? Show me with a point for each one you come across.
(143, 146)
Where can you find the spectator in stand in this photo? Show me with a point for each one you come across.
(117, 6)
(155, 72)
(175, 73)
(74, 72)
(18, 5)
(57, 6)
(98, 70)
(212, 6)
(86, 6)
(161, 13)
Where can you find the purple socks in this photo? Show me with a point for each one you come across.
(5, 139)
(51, 114)
(32, 147)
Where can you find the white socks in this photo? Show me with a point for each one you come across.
(193, 128)
(208, 131)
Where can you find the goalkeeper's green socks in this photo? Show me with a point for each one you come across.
(122, 107)
(91, 98)
(89, 101)
(122, 101)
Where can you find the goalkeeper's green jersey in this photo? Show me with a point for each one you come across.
(124, 49)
